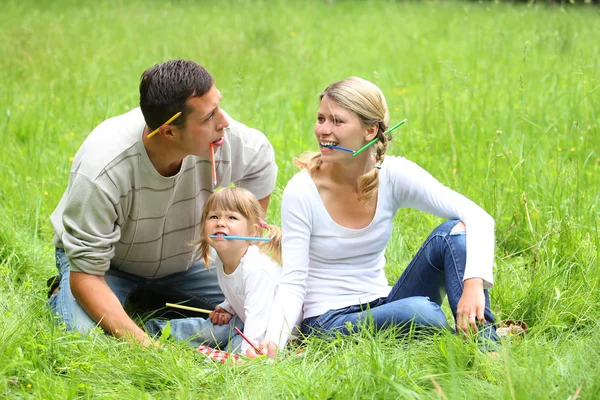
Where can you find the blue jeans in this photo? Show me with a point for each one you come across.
(197, 286)
(436, 270)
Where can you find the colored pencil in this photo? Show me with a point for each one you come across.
(396, 126)
(357, 152)
(212, 161)
(257, 239)
(247, 340)
(200, 310)
(173, 118)
(339, 148)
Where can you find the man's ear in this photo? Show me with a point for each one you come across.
(168, 131)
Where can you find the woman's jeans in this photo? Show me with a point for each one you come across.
(196, 287)
(436, 270)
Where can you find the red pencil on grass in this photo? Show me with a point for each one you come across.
(247, 340)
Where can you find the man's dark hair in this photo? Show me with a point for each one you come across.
(165, 88)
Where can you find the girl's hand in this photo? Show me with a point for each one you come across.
(471, 306)
(266, 347)
(220, 316)
(251, 354)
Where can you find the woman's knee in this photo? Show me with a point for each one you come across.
(451, 226)
(459, 227)
(428, 314)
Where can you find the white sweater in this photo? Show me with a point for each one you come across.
(327, 266)
(249, 292)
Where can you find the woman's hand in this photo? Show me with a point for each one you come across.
(220, 316)
(266, 347)
(471, 306)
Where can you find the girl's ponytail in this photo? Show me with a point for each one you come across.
(272, 248)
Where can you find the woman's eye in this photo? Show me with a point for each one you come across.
(338, 121)
(320, 119)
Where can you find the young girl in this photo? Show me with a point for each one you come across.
(247, 270)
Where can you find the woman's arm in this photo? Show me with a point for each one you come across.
(416, 188)
(296, 232)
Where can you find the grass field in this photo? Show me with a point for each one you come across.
(503, 104)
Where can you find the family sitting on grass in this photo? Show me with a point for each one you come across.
(141, 214)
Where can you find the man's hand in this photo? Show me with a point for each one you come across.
(103, 306)
(144, 340)
(220, 316)
(471, 306)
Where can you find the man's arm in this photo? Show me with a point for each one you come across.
(89, 219)
(253, 164)
(264, 203)
(103, 306)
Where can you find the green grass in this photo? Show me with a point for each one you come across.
(503, 105)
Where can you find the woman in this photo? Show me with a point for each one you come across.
(337, 216)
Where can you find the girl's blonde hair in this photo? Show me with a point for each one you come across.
(367, 101)
(241, 201)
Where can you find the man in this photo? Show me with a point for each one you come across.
(135, 197)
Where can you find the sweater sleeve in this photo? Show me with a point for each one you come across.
(90, 228)
(416, 188)
(296, 233)
(259, 287)
(253, 160)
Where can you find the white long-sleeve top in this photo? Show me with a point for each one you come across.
(327, 266)
(249, 292)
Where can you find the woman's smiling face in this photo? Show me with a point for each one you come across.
(338, 126)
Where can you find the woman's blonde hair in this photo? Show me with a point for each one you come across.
(241, 201)
(367, 101)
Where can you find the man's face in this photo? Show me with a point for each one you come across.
(204, 125)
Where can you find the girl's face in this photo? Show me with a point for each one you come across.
(338, 126)
(221, 223)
